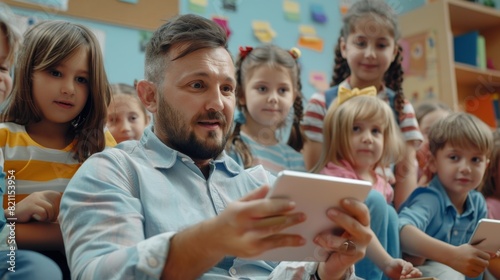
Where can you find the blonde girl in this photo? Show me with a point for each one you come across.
(360, 134)
(367, 55)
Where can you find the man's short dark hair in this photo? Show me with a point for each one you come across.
(195, 32)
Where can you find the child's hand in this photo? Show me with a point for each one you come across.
(469, 261)
(416, 261)
(42, 206)
(387, 174)
(401, 269)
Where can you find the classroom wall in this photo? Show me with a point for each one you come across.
(240, 23)
(124, 59)
(120, 25)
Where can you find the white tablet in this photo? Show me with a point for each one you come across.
(313, 194)
(485, 236)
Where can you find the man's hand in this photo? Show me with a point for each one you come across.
(349, 247)
(253, 225)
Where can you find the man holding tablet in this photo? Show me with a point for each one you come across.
(174, 205)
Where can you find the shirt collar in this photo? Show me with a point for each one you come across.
(469, 206)
(381, 91)
(164, 157)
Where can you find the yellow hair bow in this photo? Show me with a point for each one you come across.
(345, 93)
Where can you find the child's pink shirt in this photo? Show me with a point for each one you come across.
(346, 171)
(493, 208)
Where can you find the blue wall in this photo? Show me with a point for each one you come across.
(240, 23)
(124, 60)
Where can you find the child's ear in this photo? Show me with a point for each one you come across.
(343, 44)
(432, 164)
(241, 100)
(147, 94)
(395, 53)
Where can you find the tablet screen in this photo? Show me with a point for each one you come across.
(313, 194)
(485, 236)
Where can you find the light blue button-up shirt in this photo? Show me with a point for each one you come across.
(431, 210)
(124, 204)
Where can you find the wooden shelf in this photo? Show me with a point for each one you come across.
(470, 76)
(454, 83)
(466, 16)
(146, 15)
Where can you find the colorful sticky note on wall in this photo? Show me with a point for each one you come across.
(309, 39)
(292, 10)
(198, 6)
(344, 6)
(229, 5)
(263, 31)
(318, 13)
(318, 80)
(222, 21)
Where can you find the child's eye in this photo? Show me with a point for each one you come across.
(376, 131)
(55, 73)
(476, 160)
(4, 68)
(262, 89)
(453, 157)
(360, 44)
(282, 91)
(356, 128)
(82, 80)
(382, 46)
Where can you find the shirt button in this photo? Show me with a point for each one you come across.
(152, 262)
(455, 233)
(232, 271)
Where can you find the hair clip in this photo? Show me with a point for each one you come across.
(295, 52)
(244, 51)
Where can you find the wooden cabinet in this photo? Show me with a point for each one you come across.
(458, 82)
(146, 14)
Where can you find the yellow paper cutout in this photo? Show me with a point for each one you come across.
(260, 25)
(292, 10)
(291, 7)
(307, 30)
(202, 3)
(309, 39)
(263, 31)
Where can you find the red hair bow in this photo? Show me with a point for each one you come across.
(244, 51)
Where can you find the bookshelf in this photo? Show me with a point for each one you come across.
(458, 83)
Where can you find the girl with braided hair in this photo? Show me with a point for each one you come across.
(367, 57)
(268, 87)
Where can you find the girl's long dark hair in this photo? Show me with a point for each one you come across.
(248, 60)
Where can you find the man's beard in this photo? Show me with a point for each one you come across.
(181, 139)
